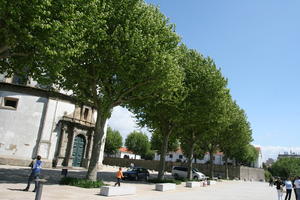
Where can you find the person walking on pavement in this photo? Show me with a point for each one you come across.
(289, 187)
(119, 176)
(35, 173)
(297, 188)
(279, 187)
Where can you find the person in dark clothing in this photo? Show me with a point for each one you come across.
(279, 187)
(294, 187)
(35, 173)
(297, 187)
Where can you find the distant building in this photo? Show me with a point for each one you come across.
(218, 158)
(259, 162)
(177, 156)
(288, 155)
(123, 152)
(269, 162)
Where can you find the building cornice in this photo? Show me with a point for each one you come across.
(39, 92)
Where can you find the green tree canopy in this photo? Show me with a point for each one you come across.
(286, 168)
(41, 36)
(138, 143)
(113, 141)
(108, 53)
(236, 135)
(160, 115)
(203, 109)
(247, 155)
(157, 141)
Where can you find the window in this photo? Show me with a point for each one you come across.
(11, 103)
(180, 156)
(171, 156)
(86, 113)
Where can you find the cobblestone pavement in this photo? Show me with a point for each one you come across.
(13, 180)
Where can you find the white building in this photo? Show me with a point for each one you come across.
(259, 161)
(288, 155)
(178, 156)
(35, 121)
(123, 152)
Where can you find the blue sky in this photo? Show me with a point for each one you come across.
(257, 46)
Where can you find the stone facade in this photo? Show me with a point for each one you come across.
(34, 121)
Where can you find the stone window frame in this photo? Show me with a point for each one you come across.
(3, 99)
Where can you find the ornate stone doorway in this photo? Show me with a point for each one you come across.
(78, 150)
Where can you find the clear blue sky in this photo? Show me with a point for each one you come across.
(256, 43)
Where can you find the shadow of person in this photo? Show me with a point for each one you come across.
(12, 189)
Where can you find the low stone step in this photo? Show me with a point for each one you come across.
(192, 184)
(117, 191)
(165, 186)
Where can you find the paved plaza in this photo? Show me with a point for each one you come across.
(13, 180)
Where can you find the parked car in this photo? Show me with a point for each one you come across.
(136, 173)
(182, 172)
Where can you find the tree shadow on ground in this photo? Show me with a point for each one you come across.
(53, 176)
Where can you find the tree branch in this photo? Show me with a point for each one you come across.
(120, 99)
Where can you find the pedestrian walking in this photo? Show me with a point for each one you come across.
(271, 182)
(36, 166)
(131, 165)
(279, 187)
(297, 188)
(289, 188)
(119, 176)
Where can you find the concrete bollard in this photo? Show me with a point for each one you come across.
(38, 192)
(64, 172)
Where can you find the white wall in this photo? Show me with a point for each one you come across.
(218, 158)
(19, 128)
(175, 156)
(55, 111)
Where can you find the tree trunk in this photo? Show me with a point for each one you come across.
(226, 168)
(164, 149)
(211, 155)
(190, 160)
(97, 141)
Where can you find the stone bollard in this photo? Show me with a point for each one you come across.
(39, 189)
(64, 172)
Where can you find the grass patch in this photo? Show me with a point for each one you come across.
(80, 182)
(155, 180)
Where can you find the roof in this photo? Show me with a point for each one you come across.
(179, 151)
(125, 150)
(219, 153)
(258, 149)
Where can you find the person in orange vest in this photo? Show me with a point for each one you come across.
(119, 176)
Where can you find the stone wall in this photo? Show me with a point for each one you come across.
(243, 173)
(249, 173)
(15, 161)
